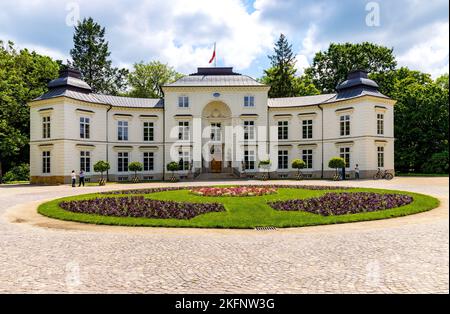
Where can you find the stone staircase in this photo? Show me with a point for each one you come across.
(216, 176)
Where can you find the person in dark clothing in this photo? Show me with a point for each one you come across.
(81, 178)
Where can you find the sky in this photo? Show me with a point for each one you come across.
(182, 32)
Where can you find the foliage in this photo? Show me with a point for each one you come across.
(146, 80)
(264, 163)
(438, 163)
(344, 203)
(298, 164)
(442, 81)
(331, 67)
(135, 166)
(24, 76)
(101, 166)
(138, 206)
(238, 191)
(90, 55)
(336, 163)
(18, 173)
(281, 75)
(173, 166)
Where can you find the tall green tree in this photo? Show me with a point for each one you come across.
(24, 75)
(331, 67)
(281, 75)
(146, 79)
(90, 55)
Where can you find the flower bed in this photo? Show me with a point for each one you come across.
(344, 203)
(138, 206)
(237, 191)
(272, 186)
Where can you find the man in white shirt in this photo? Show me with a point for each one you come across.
(357, 172)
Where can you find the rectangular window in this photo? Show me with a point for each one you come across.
(249, 160)
(345, 154)
(345, 125)
(380, 124)
(249, 130)
(148, 131)
(283, 130)
(149, 161)
(183, 131)
(215, 131)
(46, 127)
(185, 160)
(183, 102)
(122, 130)
(85, 127)
(46, 162)
(249, 101)
(283, 159)
(380, 157)
(85, 161)
(307, 156)
(122, 161)
(307, 129)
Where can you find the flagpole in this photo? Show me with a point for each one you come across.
(215, 59)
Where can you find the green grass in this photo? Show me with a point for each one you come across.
(241, 212)
(17, 182)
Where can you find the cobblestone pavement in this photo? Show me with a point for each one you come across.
(401, 255)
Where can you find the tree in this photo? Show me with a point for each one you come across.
(281, 75)
(90, 55)
(298, 164)
(24, 75)
(173, 166)
(101, 166)
(438, 163)
(336, 163)
(442, 81)
(331, 67)
(304, 86)
(146, 80)
(265, 164)
(135, 166)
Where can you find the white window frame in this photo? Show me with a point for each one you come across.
(308, 158)
(123, 160)
(184, 131)
(85, 127)
(345, 125)
(283, 159)
(183, 101)
(184, 155)
(249, 101)
(249, 159)
(345, 152)
(46, 162)
(380, 156)
(216, 131)
(122, 126)
(85, 161)
(249, 130)
(283, 130)
(307, 129)
(380, 123)
(46, 127)
(148, 159)
(150, 128)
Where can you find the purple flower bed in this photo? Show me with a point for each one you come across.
(138, 206)
(344, 203)
(274, 186)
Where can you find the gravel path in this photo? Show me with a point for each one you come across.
(402, 255)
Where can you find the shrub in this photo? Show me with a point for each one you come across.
(18, 173)
(336, 163)
(135, 166)
(173, 166)
(438, 163)
(101, 166)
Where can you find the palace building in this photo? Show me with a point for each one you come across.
(214, 121)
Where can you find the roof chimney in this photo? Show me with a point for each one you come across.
(70, 79)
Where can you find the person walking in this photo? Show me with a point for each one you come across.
(74, 178)
(81, 178)
(357, 172)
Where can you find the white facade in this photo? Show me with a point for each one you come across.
(217, 121)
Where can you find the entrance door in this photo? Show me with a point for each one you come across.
(216, 166)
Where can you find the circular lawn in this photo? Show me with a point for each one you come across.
(237, 207)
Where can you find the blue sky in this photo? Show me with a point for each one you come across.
(182, 32)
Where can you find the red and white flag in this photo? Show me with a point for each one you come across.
(214, 55)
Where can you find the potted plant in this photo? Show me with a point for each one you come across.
(336, 163)
(265, 164)
(135, 166)
(101, 166)
(299, 164)
(173, 166)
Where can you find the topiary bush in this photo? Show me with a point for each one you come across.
(298, 164)
(173, 166)
(336, 163)
(135, 166)
(101, 166)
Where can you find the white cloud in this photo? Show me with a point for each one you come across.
(430, 54)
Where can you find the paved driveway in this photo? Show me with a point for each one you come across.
(402, 255)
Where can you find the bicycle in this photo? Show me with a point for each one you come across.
(337, 177)
(383, 175)
(299, 175)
